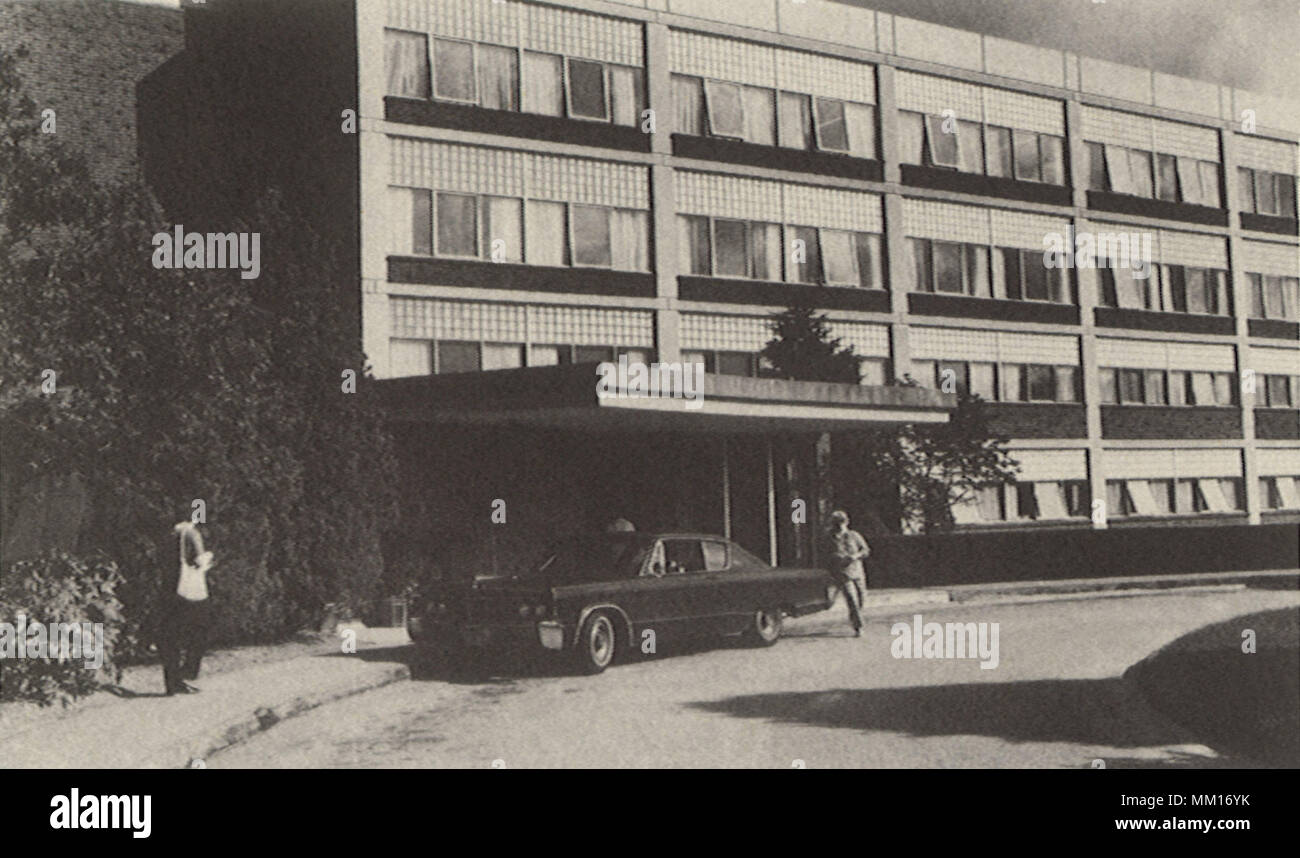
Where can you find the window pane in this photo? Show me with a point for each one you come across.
(804, 246)
(1109, 391)
(921, 265)
(420, 212)
(503, 237)
(587, 90)
(924, 372)
(943, 146)
(873, 372)
(1265, 193)
(1140, 164)
(952, 376)
(1257, 301)
(1052, 150)
(696, 257)
(1042, 383)
(591, 240)
(406, 64)
(1130, 387)
(1177, 387)
(760, 115)
(735, 363)
(977, 270)
(626, 94)
(1222, 388)
(410, 357)
(457, 225)
(1246, 189)
(1035, 276)
(1210, 195)
(867, 246)
(1067, 386)
(840, 257)
(729, 242)
(1189, 179)
(832, 130)
(458, 357)
(544, 242)
(1286, 195)
(861, 119)
(1278, 388)
(1202, 388)
(1097, 168)
(1166, 177)
(796, 120)
(1028, 167)
(947, 267)
(1155, 387)
(970, 146)
(725, 111)
(765, 251)
(592, 354)
(997, 142)
(629, 240)
(981, 381)
(547, 355)
(1119, 169)
(688, 104)
(502, 356)
(911, 137)
(542, 84)
(453, 70)
(498, 77)
(1012, 382)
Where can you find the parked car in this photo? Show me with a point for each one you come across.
(592, 598)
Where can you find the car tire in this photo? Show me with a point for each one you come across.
(596, 644)
(765, 627)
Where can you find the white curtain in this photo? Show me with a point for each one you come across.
(1189, 177)
(542, 87)
(796, 121)
(760, 115)
(629, 236)
(502, 218)
(498, 73)
(625, 93)
(688, 102)
(544, 235)
(406, 61)
(861, 119)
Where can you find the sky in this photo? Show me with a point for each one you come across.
(1250, 44)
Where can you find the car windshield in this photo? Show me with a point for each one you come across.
(609, 556)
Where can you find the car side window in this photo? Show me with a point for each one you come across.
(716, 557)
(654, 566)
(683, 556)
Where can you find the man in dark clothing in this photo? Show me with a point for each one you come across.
(846, 549)
(184, 612)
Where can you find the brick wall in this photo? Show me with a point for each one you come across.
(84, 60)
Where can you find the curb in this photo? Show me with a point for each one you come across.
(193, 752)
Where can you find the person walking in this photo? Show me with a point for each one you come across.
(184, 612)
(846, 551)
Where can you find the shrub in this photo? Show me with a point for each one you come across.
(58, 587)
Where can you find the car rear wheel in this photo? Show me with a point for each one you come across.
(765, 627)
(596, 643)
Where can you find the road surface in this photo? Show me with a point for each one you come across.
(818, 699)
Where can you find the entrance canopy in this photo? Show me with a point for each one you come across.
(569, 397)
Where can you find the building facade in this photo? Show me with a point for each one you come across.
(532, 184)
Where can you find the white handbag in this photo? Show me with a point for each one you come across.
(193, 585)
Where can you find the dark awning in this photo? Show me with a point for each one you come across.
(567, 397)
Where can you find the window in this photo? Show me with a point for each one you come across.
(1067, 384)
(406, 64)
(1265, 193)
(695, 247)
(410, 357)
(716, 555)
(840, 257)
(947, 267)
(688, 103)
(1028, 167)
(861, 120)
(1109, 389)
(542, 85)
(411, 214)
(943, 146)
(726, 110)
(868, 249)
(1286, 193)
(1167, 178)
(1078, 498)
(1011, 274)
(1097, 180)
(803, 245)
(503, 237)
(548, 355)
(1120, 170)
(544, 233)
(735, 363)
(970, 147)
(1277, 391)
(502, 355)
(760, 115)
(795, 121)
(1026, 501)
(1154, 383)
(1187, 171)
(1042, 383)
(1130, 387)
(457, 225)
(591, 236)
(629, 233)
(952, 376)
(592, 354)
(1052, 151)
(626, 94)
(1119, 502)
(498, 77)
(730, 238)
(587, 90)
(977, 270)
(982, 381)
(911, 137)
(921, 265)
(873, 371)
(1176, 387)
(1026, 277)
(453, 70)
(1210, 194)
(1246, 188)
(1140, 164)
(683, 556)
(832, 128)
(1012, 379)
(999, 155)
(1274, 297)
(458, 357)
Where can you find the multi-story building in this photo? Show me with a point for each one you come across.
(536, 184)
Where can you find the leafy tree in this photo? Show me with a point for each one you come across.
(908, 477)
(179, 384)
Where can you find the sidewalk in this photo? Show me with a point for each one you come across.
(146, 729)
